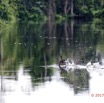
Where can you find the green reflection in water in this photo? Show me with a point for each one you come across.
(35, 45)
(79, 78)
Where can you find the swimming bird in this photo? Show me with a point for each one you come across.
(62, 64)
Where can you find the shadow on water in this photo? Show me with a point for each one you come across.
(37, 45)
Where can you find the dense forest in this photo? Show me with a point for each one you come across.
(49, 9)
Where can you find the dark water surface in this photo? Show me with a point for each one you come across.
(30, 53)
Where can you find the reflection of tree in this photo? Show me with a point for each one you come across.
(101, 42)
(79, 78)
(27, 43)
(78, 40)
(8, 47)
(85, 43)
(38, 75)
(50, 39)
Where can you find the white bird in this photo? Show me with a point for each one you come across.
(70, 62)
(89, 64)
(96, 65)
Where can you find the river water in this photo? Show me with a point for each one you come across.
(30, 53)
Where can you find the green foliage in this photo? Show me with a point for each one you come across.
(37, 10)
(99, 13)
(60, 18)
(3, 12)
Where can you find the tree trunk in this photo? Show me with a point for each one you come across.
(72, 13)
(52, 10)
(66, 7)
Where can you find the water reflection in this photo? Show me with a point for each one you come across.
(79, 79)
(29, 50)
